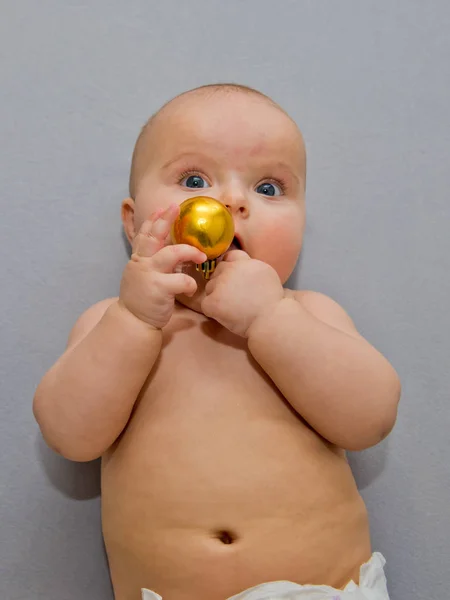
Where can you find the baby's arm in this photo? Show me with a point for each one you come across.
(84, 401)
(340, 384)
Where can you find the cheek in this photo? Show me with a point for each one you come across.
(154, 195)
(279, 242)
(145, 209)
(149, 200)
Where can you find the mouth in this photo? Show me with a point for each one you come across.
(235, 244)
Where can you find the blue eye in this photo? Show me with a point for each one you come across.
(194, 182)
(269, 189)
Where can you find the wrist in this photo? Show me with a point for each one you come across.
(268, 317)
(131, 321)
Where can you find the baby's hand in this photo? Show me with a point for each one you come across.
(149, 284)
(240, 290)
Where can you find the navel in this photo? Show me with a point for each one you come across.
(225, 536)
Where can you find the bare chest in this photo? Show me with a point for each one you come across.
(203, 361)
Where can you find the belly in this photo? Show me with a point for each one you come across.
(203, 502)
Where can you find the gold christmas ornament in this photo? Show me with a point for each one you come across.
(206, 224)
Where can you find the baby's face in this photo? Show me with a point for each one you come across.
(242, 151)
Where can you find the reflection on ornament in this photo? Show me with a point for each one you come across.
(206, 224)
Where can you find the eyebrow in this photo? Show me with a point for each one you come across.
(281, 165)
(182, 156)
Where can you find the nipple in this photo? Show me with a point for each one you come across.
(207, 224)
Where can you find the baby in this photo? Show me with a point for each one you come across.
(222, 409)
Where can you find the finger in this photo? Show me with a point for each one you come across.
(234, 255)
(169, 257)
(144, 242)
(164, 222)
(206, 305)
(218, 271)
(180, 283)
(154, 231)
(210, 286)
(155, 215)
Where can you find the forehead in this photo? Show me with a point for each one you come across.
(234, 126)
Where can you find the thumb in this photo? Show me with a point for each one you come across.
(235, 255)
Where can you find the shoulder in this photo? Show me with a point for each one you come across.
(88, 320)
(325, 309)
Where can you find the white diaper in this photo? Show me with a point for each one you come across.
(372, 586)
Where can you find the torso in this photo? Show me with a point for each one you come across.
(217, 485)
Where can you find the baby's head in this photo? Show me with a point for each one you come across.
(234, 144)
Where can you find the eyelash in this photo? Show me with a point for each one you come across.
(187, 173)
(280, 182)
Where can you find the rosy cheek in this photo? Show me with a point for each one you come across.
(279, 245)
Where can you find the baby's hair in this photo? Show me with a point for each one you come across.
(137, 168)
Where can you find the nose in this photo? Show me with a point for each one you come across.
(237, 203)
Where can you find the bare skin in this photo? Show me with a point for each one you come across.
(222, 415)
(215, 488)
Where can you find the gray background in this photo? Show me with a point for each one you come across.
(369, 84)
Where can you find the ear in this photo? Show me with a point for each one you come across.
(127, 214)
